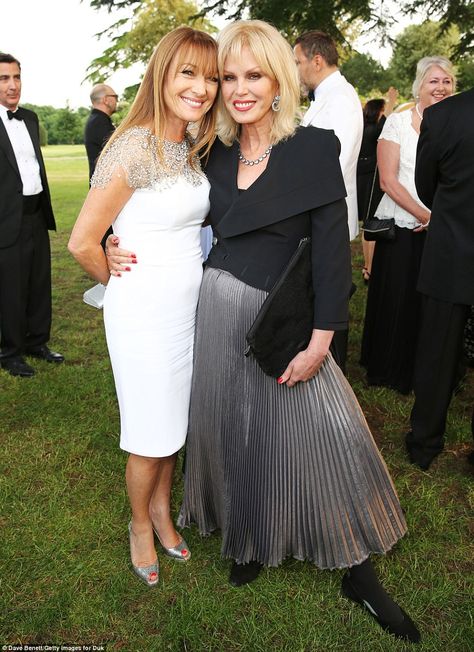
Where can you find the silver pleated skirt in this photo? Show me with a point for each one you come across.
(282, 472)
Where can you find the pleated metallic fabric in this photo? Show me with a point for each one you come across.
(282, 472)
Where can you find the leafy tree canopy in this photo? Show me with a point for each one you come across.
(134, 43)
(365, 74)
(295, 16)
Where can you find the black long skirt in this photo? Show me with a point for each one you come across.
(392, 316)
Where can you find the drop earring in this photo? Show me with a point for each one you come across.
(276, 103)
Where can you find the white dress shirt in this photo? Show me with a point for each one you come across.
(337, 106)
(24, 153)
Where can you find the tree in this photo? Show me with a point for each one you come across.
(365, 74)
(299, 15)
(151, 21)
(67, 128)
(466, 73)
(60, 126)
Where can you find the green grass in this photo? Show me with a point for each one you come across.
(65, 574)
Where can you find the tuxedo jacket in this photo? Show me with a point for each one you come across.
(444, 179)
(11, 186)
(337, 106)
(97, 131)
(301, 193)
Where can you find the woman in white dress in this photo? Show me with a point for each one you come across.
(148, 183)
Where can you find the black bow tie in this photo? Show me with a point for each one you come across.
(311, 96)
(15, 115)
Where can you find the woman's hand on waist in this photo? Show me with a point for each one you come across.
(307, 363)
(118, 260)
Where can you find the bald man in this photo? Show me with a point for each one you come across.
(99, 126)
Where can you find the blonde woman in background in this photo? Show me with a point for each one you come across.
(393, 305)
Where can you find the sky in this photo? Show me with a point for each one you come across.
(55, 42)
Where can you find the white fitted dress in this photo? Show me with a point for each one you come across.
(149, 312)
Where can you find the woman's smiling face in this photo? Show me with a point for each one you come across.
(436, 85)
(189, 91)
(247, 91)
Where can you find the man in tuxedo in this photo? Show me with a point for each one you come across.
(444, 179)
(99, 126)
(334, 105)
(26, 215)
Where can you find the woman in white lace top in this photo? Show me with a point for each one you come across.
(148, 183)
(392, 314)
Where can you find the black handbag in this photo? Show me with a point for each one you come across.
(284, 324)
(375, 229)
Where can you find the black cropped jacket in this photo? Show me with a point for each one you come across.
(301, 193)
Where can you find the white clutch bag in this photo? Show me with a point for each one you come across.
(95, 296)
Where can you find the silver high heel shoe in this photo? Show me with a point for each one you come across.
(180, 552)
(148, 574)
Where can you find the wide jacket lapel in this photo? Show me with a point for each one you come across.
(297, 179)
(6, 145)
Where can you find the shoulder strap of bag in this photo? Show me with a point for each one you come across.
(371, 194)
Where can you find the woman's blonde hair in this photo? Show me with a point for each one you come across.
(275, 57)
(149, 107)
(423, 68)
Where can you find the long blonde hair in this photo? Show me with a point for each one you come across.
(149, 106)
(275, 57)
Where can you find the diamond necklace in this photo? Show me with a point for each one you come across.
(258, 160)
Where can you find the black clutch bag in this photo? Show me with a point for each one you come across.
(284, 324)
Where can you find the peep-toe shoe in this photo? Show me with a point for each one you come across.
(150, 575)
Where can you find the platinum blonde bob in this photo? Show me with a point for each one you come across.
(275, 58)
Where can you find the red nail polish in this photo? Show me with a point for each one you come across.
(280, 380)
(127, 269)
(134, 260)
(133, 255)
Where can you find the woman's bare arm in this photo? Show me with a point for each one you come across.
(388, 161)
(100, 208)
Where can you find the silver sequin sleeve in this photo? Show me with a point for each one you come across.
(129, 156)
(134, 155)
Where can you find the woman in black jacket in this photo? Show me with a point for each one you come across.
(283, 467)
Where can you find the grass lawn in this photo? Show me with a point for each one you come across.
(65, 575)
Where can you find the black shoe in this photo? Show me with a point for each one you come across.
(423, 462)
(405, 629)
(241, 574)
(44, 353)
(16, 366)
